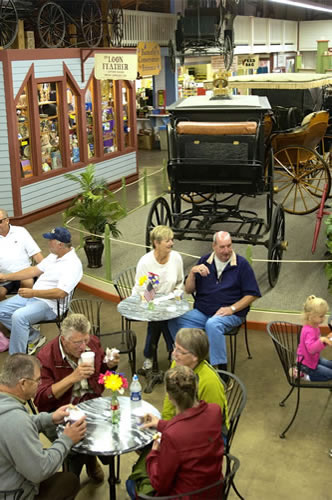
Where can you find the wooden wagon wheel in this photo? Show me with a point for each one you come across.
(300, 175)
(51, 25)
(91, 23)
(8, 23)
(115, 23)
(160, 214)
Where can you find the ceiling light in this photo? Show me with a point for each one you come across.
(311, 6)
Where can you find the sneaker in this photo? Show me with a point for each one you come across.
(147, 365)
(33, 346)
(293, 373)
(94, 470)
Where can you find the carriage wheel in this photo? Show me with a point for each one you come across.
(160, 214)
(171, 55)
(270, 191)
(51, 25)
(228, 52)
(91, 23)
(8, 24)
(115, 23)
(277, 245)
(300, 175)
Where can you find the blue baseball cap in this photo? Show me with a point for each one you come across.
(60, 234)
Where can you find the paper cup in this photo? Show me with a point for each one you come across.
(88, 357)
(178, 294)
(74, 415)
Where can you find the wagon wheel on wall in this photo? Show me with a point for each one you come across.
(277, 245)
(160, 214)
(91, 23)
(8, 23)
(300, 175)
(51, 25)
(115, 23)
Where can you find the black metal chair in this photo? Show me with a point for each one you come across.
(62, 310)
(216, 491)
(125, 341)
(91, 309)
(236, 401)
(286, 337)
(123, 284)
(232, 334)
(11, 495)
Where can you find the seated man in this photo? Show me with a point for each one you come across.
(64, 379)
(58, 275)
(224, 285)
(17, 247)
(24, 463)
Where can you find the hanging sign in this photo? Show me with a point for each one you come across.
(116, 66)
(248, 62)
(149, 60)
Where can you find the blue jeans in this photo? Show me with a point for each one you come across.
(322, 373)
(18, 314)
(215, 328)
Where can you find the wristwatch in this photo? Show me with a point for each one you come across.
(233, 309)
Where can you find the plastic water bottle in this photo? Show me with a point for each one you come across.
(135, 389)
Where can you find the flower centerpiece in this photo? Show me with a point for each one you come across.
(117, 383)
(151, 280)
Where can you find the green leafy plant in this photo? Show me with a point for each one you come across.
(96, 205)
(328, 266)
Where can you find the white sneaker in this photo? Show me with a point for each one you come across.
(33, 346)
(147, 365)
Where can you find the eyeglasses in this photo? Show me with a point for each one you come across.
(79, 342)
(36, 380)
(1, 220)
(182, 353)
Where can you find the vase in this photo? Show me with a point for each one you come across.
(94, 251)
(115, 409)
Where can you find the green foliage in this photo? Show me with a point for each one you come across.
(95, 206)
(328, 266)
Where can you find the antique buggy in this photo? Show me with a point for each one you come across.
(218, 158)
(205, 30)
(61, 22)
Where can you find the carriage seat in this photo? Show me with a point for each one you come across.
(217, 128)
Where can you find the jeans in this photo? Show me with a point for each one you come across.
(215, 328)
(322, 373)
(155, 328)
(18, 314)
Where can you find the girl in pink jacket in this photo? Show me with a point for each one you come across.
(316, 368)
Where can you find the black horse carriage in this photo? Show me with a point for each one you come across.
(53, 20)
(205, 30)
(218, 158)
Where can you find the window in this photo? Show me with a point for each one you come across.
(108, 114)
(50, 138)
(72, 119)
(24, 134)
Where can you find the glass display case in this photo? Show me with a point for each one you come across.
(50, 134)
(108, 113)
(90, 122)
(72, 120)
(24, 134)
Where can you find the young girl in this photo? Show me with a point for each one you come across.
(317, 369)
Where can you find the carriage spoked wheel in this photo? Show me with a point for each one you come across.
(51, 25)
(91, 23)
(115, 23)
(171, 55)
(160, 214)
(277, 245)
(300, 175)
(228, 52)
(8, 23)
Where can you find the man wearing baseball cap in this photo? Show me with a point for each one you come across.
(58, 274)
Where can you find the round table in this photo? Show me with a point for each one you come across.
(106, 439)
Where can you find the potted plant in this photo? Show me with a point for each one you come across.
(95, 207)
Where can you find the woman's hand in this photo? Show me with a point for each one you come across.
(149, 421)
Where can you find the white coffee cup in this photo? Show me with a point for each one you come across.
(74, 415)
(88, 357)
(178, 294)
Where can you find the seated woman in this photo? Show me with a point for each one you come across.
(189, 455)
(191, 349)
(165, 266)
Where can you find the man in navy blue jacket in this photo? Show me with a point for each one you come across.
(224, 285)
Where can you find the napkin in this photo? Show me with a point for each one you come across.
(163, 298)
(109, 354)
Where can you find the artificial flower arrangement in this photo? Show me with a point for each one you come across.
(117, 383)
(150, 278)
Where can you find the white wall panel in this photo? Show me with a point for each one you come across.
(5, 176)
(311, 31)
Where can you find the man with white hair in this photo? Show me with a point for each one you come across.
(225, 286)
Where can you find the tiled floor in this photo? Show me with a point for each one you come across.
(297, 468)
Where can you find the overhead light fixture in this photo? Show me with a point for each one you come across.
(309, 5)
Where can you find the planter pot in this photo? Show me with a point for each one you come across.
(94, 251)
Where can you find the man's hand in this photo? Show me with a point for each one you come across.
(224, 311)
(115, 361)
(59, 415)
(83, 371)
(76, 431)
(201, 269)
(26, 292)
(3, 277)
(150, 420)
(156, 444)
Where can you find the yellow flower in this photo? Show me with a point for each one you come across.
(113, 382)
(142, 280)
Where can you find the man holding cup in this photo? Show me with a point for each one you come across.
(71, 364)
